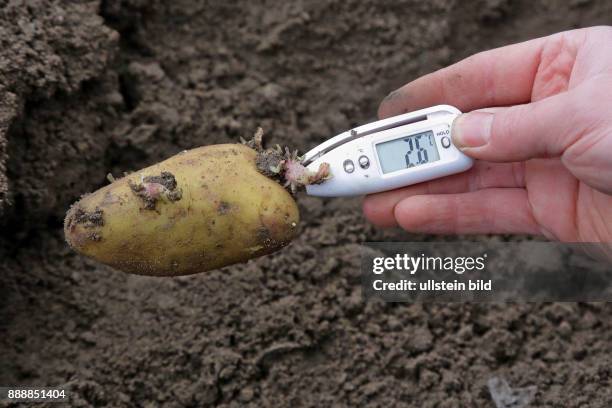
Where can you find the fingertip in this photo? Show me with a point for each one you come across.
(379, 211)
(380, 113)
(384, 108)
(472, 130)
(409, 215)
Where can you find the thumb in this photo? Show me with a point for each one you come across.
(545, 128)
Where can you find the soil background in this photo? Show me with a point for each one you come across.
(89, 88)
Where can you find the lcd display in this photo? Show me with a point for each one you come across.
(406, 152)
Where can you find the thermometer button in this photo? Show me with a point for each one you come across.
(364, 162)
(446, 142)
(349, 167)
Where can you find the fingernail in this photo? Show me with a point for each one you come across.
(388, 106)
(392, 95)
(472, 129)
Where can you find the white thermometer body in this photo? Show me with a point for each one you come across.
(389, 154)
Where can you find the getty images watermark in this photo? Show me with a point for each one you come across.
(485, 272)
(412, 264)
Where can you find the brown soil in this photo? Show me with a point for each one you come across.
(90, 88)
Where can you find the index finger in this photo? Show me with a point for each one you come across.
(502, 76)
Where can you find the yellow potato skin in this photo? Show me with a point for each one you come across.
(228, 212)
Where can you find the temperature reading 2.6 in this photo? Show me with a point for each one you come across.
(407, 152)
(419, 147)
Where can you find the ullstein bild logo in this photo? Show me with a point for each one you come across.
(432, 285)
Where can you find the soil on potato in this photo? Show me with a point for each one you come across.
(88, 88)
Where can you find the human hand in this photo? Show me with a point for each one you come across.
(542, 134)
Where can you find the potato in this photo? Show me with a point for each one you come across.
(200, 210)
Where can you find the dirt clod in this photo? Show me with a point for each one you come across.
(95, 236)
(91, 221)
(153, 188)
(165, 179)
(87, 219)
(269, 163)
(505, 396)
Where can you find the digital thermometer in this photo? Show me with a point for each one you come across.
(389, 154)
